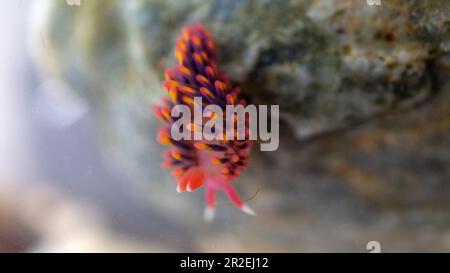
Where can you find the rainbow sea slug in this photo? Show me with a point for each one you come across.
(213, 164)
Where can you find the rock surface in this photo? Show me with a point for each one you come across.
(365, 109)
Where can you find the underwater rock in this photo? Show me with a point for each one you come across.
(329, 64)
(364, 99)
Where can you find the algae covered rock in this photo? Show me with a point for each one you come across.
(364, 101)
(329, 64)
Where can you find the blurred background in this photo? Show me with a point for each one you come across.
(56, 194)
(365, 126)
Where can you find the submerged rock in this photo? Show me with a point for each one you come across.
(364, 99)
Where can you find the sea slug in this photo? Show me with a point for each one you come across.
(196, 163)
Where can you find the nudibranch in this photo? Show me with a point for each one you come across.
(196, 163)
